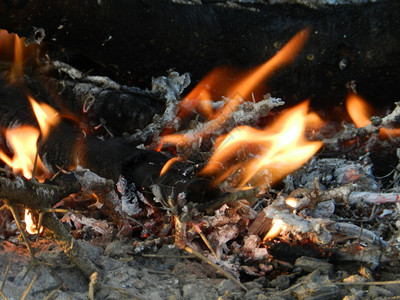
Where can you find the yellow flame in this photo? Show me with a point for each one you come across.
(23, 141)
(277, 227)
(30, 226)
(270, 153)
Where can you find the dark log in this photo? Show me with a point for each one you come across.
(100, 108)
(145, 38)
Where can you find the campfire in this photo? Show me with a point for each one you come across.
(288, 199)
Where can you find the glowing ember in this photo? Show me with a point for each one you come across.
(292, 202)
(268, 154)
(277, 227)
(30, 226)
(200, 97)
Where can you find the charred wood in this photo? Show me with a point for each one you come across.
(100, 105)
(349, 43)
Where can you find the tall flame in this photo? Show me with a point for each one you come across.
(23, 140)
(269, 154)
(200, 97)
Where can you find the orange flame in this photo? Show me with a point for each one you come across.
(270, 154)
(30, 225)
(359, 110)
(17, 69)
(23, 140)
(200, 97)
(45, 115)
(12, 48)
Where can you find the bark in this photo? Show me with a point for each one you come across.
(145, 38)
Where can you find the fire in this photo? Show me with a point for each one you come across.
(45, 115)
(13, 48)
(30, 225)
(291, 201)
(23, 142)
(200, 98)
(277, 227)
(360, 111)
(268, 154)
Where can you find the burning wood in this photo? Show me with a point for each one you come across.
(222, 182)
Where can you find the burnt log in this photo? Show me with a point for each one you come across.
(145, 38)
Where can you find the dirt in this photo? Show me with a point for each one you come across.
(167, 272)
(170, 275)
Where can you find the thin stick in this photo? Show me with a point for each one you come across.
(203, 258)
(5, 275)
(205, 240)
(15, 214)
(167, 256)
(92, 285)
(28, 288)
(369, 283)
(53, 292)
(2, 295)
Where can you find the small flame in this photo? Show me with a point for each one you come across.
(269, 154)
(45, 115)
(30, 226)
(17, 69)
(200, 98)
(359, 110)
(169, 163)
(276, 229)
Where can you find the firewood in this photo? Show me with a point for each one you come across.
(145, 38)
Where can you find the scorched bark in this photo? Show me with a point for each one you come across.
(145, 38)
